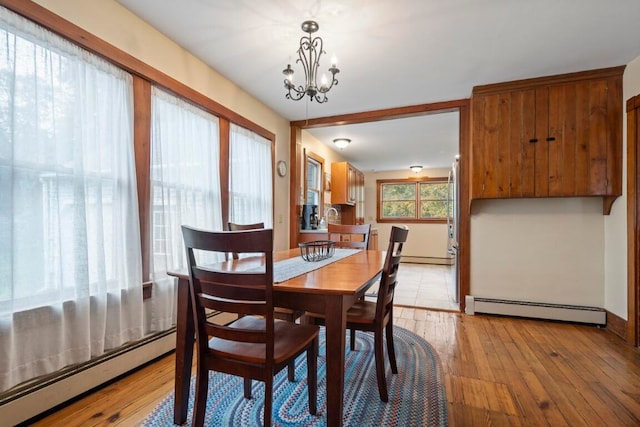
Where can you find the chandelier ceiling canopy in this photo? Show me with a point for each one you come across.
(309, 53)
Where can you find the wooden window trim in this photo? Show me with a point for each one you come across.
(417, 181)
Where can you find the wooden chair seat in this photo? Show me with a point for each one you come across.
(292, 339)
(362, 313)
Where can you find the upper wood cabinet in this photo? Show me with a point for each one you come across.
(344, 183)
(554, 136)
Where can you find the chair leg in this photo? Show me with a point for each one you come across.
(291, 371)
(391, 348)
(268, 401)
(312, 376)
(352, 336)
(247, 388)
(380, 374)
(200, 403)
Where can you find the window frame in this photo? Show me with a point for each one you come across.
(417, 200)
(319, 161)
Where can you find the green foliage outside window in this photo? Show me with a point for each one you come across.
(414, 200)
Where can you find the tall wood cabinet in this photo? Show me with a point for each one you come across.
(344, 189)
(556, 136)
(347, 189)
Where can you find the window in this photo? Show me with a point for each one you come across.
(250, 178)
(184, 178)
(425, 200)
(70, 252)
(66, 168)
(314, 180)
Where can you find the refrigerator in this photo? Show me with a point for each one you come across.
(453, 218)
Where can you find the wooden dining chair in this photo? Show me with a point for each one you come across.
(377, 317)
(281, 313)
(350, 236)
(256, 345)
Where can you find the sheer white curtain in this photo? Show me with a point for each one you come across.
(185, 190)
(70, 259)
(250, 178)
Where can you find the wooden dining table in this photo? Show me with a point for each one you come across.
(330, 289)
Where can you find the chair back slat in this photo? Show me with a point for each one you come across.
(235, 334)
(251, 287)
(350, 236)
(220, 287)
(241, 307)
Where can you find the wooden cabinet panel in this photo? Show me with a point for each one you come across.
(343, 180)
(548, 137)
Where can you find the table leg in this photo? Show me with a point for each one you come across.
(184, 353)
(335, 326)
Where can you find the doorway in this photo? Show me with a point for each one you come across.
(462, 266)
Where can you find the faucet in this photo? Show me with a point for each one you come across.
(326, 213)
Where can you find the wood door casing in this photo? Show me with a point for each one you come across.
(633, 220)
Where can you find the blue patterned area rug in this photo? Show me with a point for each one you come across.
(416, 393)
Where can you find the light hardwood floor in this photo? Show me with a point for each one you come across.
(498, 371)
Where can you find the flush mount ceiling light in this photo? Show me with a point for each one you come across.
(416, 168)
(341, 142)
(309, 53)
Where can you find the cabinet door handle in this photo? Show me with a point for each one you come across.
(551, 138)
(533, 140)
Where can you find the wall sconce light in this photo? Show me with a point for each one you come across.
(341, 142)
(416, 168)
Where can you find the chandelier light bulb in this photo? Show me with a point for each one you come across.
(323, 81)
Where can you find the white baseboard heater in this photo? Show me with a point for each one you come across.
(536, 310)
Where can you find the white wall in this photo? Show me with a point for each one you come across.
(424, 240)
(113, 23)
(615, 225)
(543, 250)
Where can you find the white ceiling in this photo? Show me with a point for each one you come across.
(394, 53)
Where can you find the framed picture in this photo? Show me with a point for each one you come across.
(327, 181)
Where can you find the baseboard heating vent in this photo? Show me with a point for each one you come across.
(536, 310)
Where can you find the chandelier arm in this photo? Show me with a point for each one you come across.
(316, 54)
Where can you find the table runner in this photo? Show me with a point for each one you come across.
(296, 266)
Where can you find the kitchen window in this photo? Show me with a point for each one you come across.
(413, 200)
(314, 180)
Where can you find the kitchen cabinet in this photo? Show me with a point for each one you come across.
(557, 136)
(344, 189)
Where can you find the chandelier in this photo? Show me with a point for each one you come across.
(309, 54)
